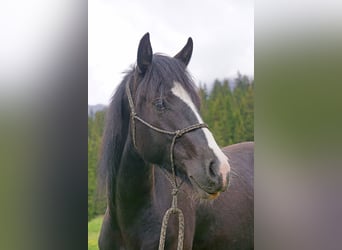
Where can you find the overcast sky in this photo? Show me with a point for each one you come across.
(222, 31)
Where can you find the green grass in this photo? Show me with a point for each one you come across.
(94, 227)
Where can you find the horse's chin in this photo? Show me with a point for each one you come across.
(206, 196)
(203, 194)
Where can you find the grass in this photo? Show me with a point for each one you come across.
(94, 227)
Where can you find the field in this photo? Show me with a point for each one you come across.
(93, 232)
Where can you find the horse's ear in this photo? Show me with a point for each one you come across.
(144, 53)
(185, 54)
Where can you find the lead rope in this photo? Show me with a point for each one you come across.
(175, 188)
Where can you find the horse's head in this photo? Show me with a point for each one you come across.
(165, 97)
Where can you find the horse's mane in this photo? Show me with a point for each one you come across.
(158, 78)
(114, 138)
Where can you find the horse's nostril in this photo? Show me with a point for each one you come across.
(212, 171)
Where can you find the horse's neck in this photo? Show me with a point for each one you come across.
(135, 183)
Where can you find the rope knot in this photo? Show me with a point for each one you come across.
(178, 133)
(174, 200)
(174, 191)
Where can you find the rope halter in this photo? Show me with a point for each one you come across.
(175, 187)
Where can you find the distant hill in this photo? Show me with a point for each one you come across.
(92, 109)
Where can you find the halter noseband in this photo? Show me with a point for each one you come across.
(176, 134)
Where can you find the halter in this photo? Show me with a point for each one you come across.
(175, 187)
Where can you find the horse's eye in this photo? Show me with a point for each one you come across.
(159, 104)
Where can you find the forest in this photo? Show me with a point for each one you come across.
(227, 107)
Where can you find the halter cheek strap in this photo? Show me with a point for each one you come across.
(175, 187)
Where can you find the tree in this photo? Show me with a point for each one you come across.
(96, 203)
(229, 113)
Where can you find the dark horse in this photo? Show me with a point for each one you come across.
(136, 158)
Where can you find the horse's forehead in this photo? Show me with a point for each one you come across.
(181, 93)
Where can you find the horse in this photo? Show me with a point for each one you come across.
(155, 143)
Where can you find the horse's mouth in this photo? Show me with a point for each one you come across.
(202, 191)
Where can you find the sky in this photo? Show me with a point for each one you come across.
(222, 31)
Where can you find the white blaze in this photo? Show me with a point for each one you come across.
(180, 92)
